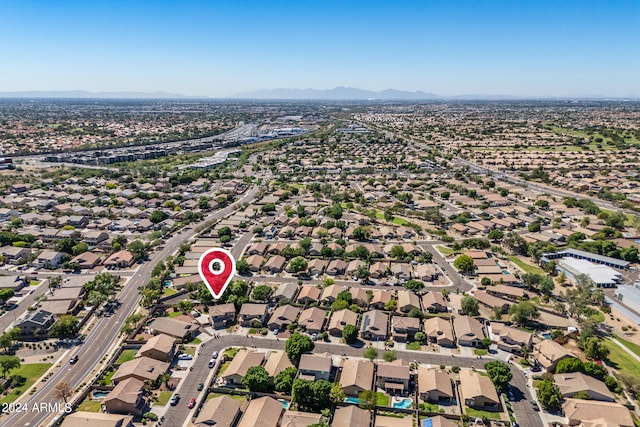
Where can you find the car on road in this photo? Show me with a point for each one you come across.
(185, 356)
(212, 363)
(535, 406)
(192, 403)
(174, 399)
(200, 386)
(73, 360)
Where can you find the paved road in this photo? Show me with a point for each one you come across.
(104, 333)
(176, 416)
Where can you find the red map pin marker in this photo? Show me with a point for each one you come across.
(217, 267)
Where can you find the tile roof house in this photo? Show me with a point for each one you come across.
(511, 339)
(374, 325)
(351, 416)
(160, 347)
(283, 316)
(261, 412)
(341, 318)
(394, 377)
(87, 260)
(285, 291)
(315, 367)
(477, 391)
(547, 353)
(277, 361)
(142, 368)
(434, 302)
(222, 315)
(403, 329)
(92, 419)
(219, 411)
(299, 419)
(237, 368)
(592, 413)
(36, 321)
(308, 294)
(439, 331)
(120, 259)
(250, 312)
(468, 331)
(577, 382)
(408, 301)
(356, 376)
(312, 320)
(173, 327)
(434, 385)
(126, 398)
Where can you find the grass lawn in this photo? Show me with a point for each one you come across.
(631, 346)
(382, 399)
(528, 268)
(233, 396)
(414, 346)
(598, 317)
(621, 360)
(34, 283)
(163, 397)
(32, 372)
(107, 378)
(476, 413)
(480, 352)
(190, 350)
(429, 407)
(175, 314)
(445, 250)
(126, 355)
(223, 368)
(168, 292)
(89, 405)
(231, 353)
(195, 341)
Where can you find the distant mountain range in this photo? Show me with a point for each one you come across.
(83, 94)
(338, 93)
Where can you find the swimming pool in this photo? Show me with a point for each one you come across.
(99, 394)
(284, 403)
(403, 404)
(352, 400)
(547, 335)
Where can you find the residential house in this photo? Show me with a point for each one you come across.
(91, 419)
(120, 259)
(312, 320)
(222, 315)
(284, 292)
(511, 339)
(408, 301)
(261, 412)
(317, 266)
(439, 331)
(434, 302)
(143, 368)
(394, 377)
(356, 376)
(242, 361)
(159, 347)
(468, 331)
(508, 292)
(330, 294)
(315, 367)
(49, 259)
(219, 411)
(490, 301)
(252, 314)
(127, 397)
(87, 260)
(380, 298)
(336, 267)
(403, 329)
(573, 383)
(438, 421)
(299, 419)
(341, 318)
(173, 327)
(275, 264)
(547, 353)
(351, 416)
(435, 386)
(34, 322)
(359, 296)
(14, 255)
(282, 317)
(591, 413)
(277, 361)
(308, 294)
(255, 262)
(15, 283)
(477, 391)
(374, 326)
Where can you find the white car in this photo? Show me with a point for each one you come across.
(185, 356)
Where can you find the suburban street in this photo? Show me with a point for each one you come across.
(104, 333)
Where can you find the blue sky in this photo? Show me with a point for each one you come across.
(219, 48)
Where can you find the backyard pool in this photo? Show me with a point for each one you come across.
(284, 403)
(99, 394)
(547, 335)
(353, 400)
(403, 404)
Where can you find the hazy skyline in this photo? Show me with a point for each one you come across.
(222, 48)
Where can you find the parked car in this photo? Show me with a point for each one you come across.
(192, 403)
(214, 356)
(534, 405)
(314, 337)
(174, 399)
(185, 356)
(212, 363)
(535, 368)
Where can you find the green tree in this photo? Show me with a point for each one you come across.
(398, 252)
(350, 334)
(65, 327)
(389, 356)
(523, 312)
(370, 353)
(80, 248)
(362, 272)
(568, 365)
(243, 267)
(595, 349)
(391, 305)
(337, 394)
(499, 373)
(298, 264)
(495, 235)
(549, 395)
(6, 341)
(158, 216)
(485, 281)
(414, 285)
(8, 363)
(296, 345)
(185, 305)
(262, 292)
(284, 380)
(339, 304)
(138, 249)
(361, 233)
(464, 264)
(6, 295)
(367, 399)
(66, 245)
(256, 379)
(469, 305)
(312, 395)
